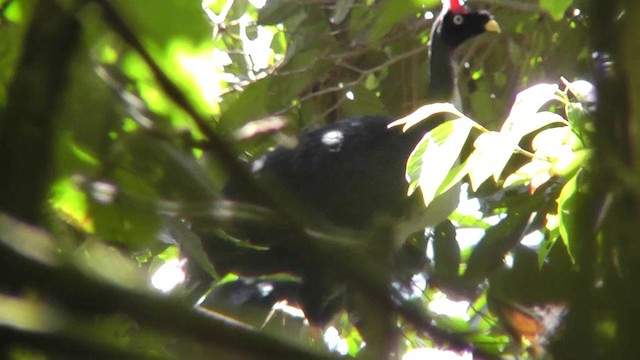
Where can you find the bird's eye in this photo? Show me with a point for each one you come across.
(458, 19)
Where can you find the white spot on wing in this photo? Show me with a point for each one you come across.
(333, 139)
(258, 164)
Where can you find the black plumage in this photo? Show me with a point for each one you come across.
(348, 174)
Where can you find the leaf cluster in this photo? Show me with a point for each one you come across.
(122, 121)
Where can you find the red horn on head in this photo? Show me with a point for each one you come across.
(456, 5)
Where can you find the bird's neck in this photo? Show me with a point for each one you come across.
(442, 73)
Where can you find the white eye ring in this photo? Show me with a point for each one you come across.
(458, 19)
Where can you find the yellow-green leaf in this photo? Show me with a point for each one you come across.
(436, 154)
(425, 112)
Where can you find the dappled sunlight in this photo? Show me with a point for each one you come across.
(225, 179)
(169, 275)
(198, 69)
(334, 342)
(258, 3)
(442, 305)
(533, 239)
(70, 203)
(257, 47)
(31, 315)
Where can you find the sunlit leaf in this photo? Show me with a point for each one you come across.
(70, 202)
(191, 245)
(556, 8)
(28, 314)
(569, 225)
(581, 120)
(549, 141)
(492, 152)
(552, 234)
(556, 145)
(423, 113)
(536, 171)
(454, 176)
(453, 324)
(583, 90)
(162, 24)
(199, 73)
(526, 124)
(436, 154)
(469, 221)
(527, 103)
(95, 256)
(27, 240)
(84, 155)
(494, 344)
(579, 160)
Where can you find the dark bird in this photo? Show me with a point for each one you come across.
(348, 175)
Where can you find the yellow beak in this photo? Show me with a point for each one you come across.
(492, 25)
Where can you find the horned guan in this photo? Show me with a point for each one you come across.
(348, 175)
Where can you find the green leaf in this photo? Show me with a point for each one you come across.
(364, 102)
(530, 172)
(524, 125)
(28, 314)
(93, 256)
(341, 10)
(581, 121)
(191, 244)
(390, 14)
(27, 240)
(497, 241)
(579, 160)
(547, 244)
(278, 11)
(493, 344)
(569, 225)
(453, 324)
(11, 37)
(136, 228)
(527, 104)
(555, 8)
(435, 155)
(252, 103)
(424, 112)
(489, 253)
(163, 23)
(493, 151)
(454, 176)
(147, 162)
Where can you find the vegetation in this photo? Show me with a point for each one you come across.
(121, 121)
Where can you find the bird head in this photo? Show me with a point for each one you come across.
(457, 23)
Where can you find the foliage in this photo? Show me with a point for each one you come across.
(556, 151)
(121, 121)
